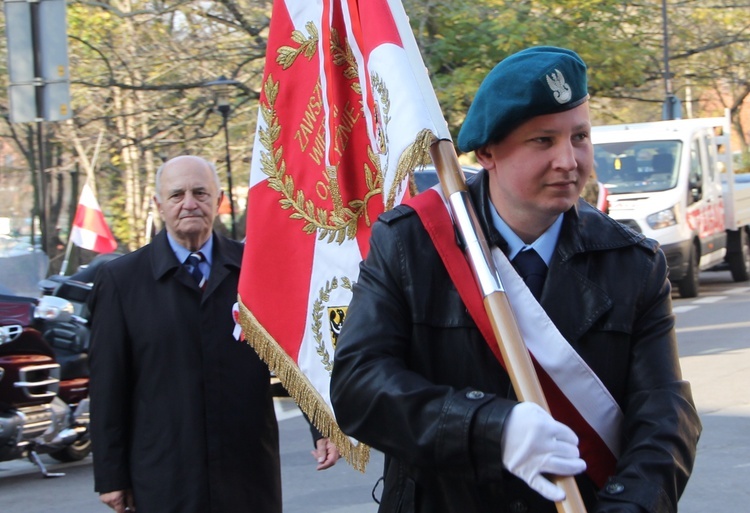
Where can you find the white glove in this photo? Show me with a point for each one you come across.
(533, 444)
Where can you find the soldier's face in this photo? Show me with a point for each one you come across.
(539, 170)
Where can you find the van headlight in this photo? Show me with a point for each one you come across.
(662, 219)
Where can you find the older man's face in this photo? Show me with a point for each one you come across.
(189, 200)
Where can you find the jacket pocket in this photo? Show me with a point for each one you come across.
(399, 491)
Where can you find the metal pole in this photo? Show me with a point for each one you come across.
(668, 101)
(32, 159)
(44, 200)
(223, 85)
(224, 109)
(39, 94)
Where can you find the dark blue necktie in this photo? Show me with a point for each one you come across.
(532, 269)
(193, 260)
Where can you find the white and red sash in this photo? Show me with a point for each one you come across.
(576, 396)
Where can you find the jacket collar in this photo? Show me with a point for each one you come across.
(568, 292)
(584, 228)
(226, 256)
(163, 259)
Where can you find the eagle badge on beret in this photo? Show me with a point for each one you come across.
(560, 89)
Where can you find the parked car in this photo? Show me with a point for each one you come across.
(669, 180)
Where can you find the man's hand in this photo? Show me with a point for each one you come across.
(120, 500)
(534, 444)
(326, 454)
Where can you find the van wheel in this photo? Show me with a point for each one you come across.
(688, 286)
(739, 262)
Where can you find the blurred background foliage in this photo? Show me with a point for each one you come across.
(138, 70)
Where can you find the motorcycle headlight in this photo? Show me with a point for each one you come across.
(53, 308)
(662, 219)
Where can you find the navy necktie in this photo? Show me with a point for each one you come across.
(193, 260)
(532, 269)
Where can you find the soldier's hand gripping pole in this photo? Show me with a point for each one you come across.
(515, 354)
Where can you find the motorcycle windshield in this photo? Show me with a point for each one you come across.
(22, 267)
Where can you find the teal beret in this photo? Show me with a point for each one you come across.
(533, 82)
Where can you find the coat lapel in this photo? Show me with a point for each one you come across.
(572, 301)
(164, 263)
(226, 256)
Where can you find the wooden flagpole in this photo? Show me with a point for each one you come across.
(515, 354)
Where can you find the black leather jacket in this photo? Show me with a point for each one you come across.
(414, 379)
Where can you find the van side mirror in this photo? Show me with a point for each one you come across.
(695, 186)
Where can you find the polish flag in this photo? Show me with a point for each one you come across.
(341, 125)
(90, 230)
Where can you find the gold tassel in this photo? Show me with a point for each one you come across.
(300, 389)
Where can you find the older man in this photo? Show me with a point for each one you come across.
(415, 378)
(182, 416)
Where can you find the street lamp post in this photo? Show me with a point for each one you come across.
(222, 85)
(671, 108)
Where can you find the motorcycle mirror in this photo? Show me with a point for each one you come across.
(9, 333)
(47, 286)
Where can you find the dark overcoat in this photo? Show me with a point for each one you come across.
(414, 378)
(181, 411)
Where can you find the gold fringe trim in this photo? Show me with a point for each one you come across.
(416, 154)
(300, 389)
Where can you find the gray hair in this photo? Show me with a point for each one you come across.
(211, 166)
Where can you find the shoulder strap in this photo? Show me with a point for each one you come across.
(436, 220)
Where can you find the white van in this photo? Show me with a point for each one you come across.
(673, 181)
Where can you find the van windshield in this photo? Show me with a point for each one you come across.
(640, 166)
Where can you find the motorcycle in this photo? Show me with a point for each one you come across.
(44, 404)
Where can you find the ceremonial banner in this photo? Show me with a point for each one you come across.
(90, 230)
(341, 124)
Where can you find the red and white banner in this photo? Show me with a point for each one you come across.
(90, 230)
(341, 124)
